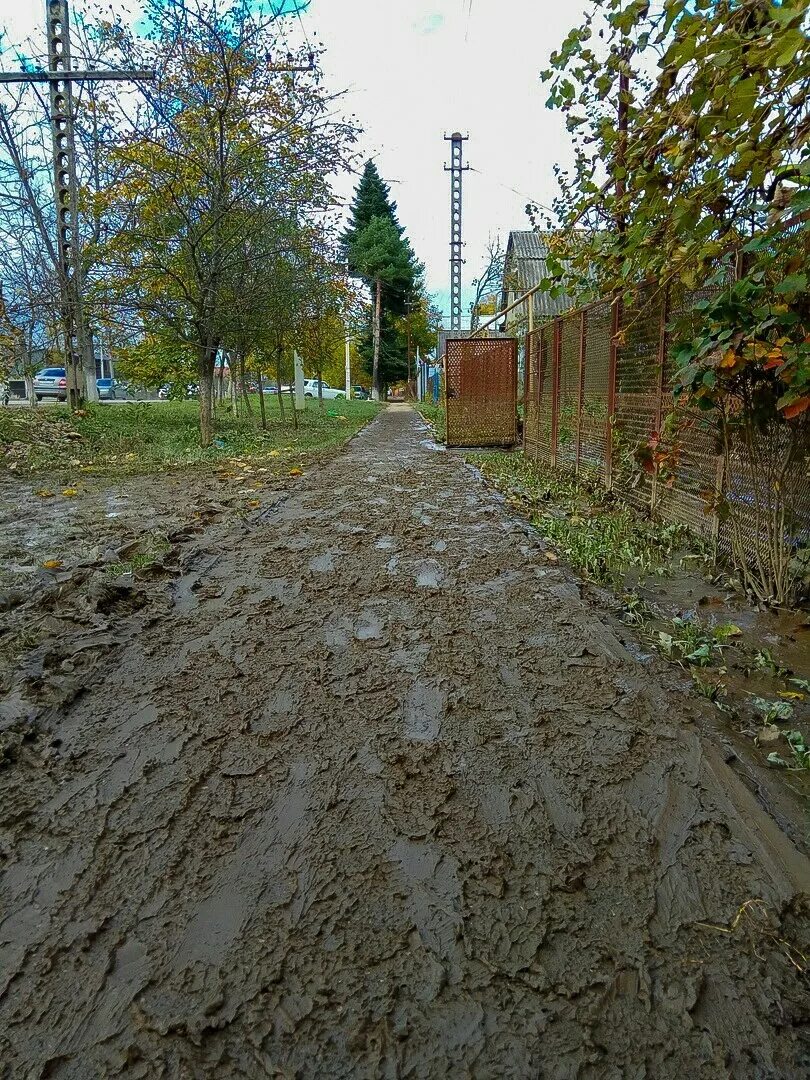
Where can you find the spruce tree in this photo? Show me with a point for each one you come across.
(371, 199)
(382, 347)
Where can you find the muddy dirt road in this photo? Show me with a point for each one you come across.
(367, 789)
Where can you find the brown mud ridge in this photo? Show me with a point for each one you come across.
(362, 787)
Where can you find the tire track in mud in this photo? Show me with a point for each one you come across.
(376, 794)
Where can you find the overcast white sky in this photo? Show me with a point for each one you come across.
(417, 69)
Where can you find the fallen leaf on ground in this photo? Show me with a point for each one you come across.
(69, 493)
(296, 472)
(254, 502)
(52, 564)
(551, 556)
(44, 493)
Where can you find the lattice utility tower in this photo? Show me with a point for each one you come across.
(60, 77)
(455, 168)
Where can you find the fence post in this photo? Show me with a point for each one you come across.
(659, 399)
(527, 359)
(581, 386)
(555, 389)
(615, 325)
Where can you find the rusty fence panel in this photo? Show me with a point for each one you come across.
(481, 391)
(599, 388)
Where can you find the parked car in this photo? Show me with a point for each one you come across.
(176, 391)
(106, 389)
(327, 392)
(51, 382)
(269, 388)
(360, 393)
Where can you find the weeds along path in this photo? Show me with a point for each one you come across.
(369, 791)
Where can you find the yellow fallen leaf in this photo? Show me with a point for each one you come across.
(44, 493)
(296, 472)
(55, 564)
(551, 556)
(791, 695)
(69, 493)
(254, 502)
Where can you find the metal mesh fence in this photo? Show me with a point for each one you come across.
(568, 407)
(599, 389)
(593, 421)
(545, 395)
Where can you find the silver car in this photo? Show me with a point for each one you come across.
(106, 389)
(51, 382)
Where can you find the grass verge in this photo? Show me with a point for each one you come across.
(434, 414)
(599, 537)
(141, 437)
(608, 544)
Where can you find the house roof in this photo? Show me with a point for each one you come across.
(525, 265)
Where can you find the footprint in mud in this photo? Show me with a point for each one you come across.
(369, 627)
(429, 575)
(422, 711)
(323, 563)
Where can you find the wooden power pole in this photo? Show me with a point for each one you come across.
(60, 77)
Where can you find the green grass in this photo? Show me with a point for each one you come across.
(148, 550)
(143, 437)
(598, 536)
(434, 414)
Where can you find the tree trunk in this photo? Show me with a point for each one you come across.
(279, 350)
(320, 388)
(29, 389)
(205, 369)
(261, 400)
(242, 387)
(375, 368)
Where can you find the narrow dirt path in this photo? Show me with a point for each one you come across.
(375, 793)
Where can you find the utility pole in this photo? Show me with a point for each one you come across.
(60, 78)
(455, 168)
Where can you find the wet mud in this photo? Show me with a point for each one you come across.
(358, 785)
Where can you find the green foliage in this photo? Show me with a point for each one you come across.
(223, 183)
(715, 145)
(694, 643)
(716, 105)
(798, 748)
(600, 538)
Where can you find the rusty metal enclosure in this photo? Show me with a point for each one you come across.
(481, 391)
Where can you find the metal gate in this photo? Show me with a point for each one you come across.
(481, 391)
